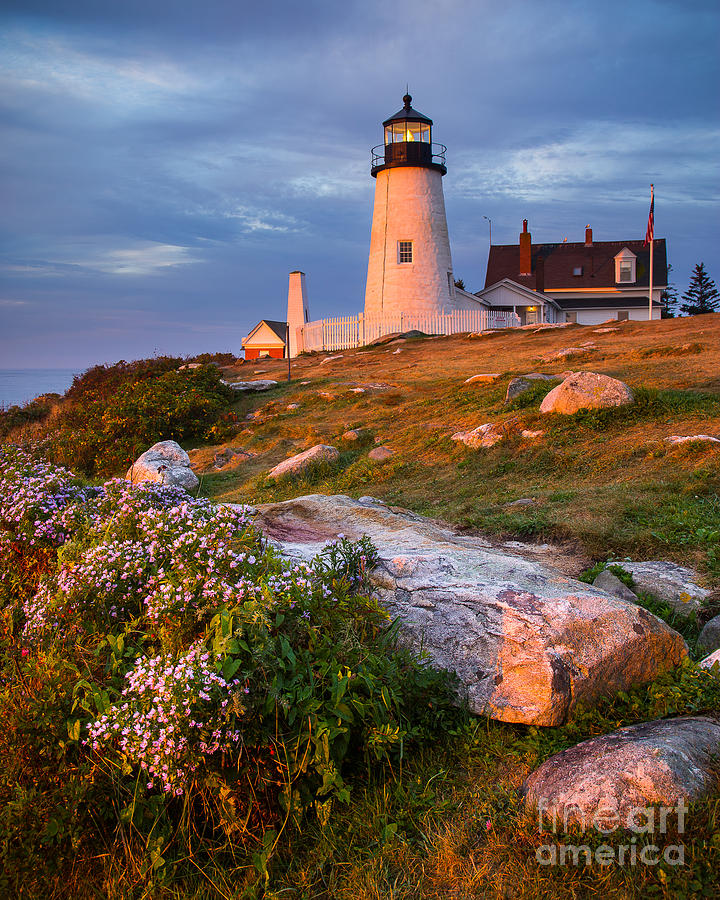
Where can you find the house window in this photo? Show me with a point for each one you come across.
(626, 271)
(623, 315)
(625, 267)
(578, 270)
(405, 251)
(571, 317)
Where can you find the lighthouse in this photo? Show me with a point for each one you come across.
(410, 267)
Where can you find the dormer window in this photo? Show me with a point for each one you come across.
(577, 270)
(625, 272)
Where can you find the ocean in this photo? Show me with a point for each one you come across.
(17, 386)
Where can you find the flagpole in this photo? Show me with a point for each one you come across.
(652, 245)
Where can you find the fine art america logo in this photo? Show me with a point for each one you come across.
(645, 824)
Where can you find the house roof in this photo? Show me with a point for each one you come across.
(523, 292)
(278, 328)
(559, 260)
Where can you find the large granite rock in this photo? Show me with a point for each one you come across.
(586, 390)
(676, 585)
(607, 778)
(527, 642)
(307, 459)
(709, 638)
(165, 462)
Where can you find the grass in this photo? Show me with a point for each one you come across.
(449, 821)
(605, 480)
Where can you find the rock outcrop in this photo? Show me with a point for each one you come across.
(166, 463)
(526, 642)
(567, 353)
(606, 581)
(710, 661)
(607, 778)
(352, 435)
(380, 454)
(523, 383)
(698, 438)
(586, 390)
(709, 638)
(676, 585)
(486, 435)
(483, 378)
(261, 384)
(307, 459)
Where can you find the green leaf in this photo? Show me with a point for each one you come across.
(73, 730)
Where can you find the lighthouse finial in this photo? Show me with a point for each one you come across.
(407, 99)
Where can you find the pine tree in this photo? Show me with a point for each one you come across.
(701, 295)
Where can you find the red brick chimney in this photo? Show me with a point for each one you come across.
(525, 250)
(588, 236)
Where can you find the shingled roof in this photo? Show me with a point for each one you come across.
(277, 327)
(559, 260)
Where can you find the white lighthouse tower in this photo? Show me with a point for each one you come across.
(410, 267)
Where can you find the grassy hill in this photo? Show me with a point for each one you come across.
(435, 815)
(607, 482)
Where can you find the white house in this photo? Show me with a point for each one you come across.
(586, 283)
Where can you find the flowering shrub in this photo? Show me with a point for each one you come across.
(161, 725)
(165, 649)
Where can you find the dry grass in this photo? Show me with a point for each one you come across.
(588, 478)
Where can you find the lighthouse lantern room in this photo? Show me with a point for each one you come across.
(410, 267)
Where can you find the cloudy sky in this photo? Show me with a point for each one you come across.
(166, 163)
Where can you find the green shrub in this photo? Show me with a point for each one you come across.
(110, 421)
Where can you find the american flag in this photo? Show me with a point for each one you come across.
(650, 233)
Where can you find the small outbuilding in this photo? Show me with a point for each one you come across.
(266, 339)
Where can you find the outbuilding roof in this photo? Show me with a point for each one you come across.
(278, 328)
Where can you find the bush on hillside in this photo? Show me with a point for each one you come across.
(169, 684)
(101, 382)
(17, 416)
(222, 359)
(116, 415)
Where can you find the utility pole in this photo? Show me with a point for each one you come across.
(489, 221)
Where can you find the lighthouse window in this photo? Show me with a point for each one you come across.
(400, 132)
(405, 252)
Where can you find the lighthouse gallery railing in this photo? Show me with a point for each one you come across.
(437, 154)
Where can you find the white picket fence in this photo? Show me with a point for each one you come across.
(347, 332)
